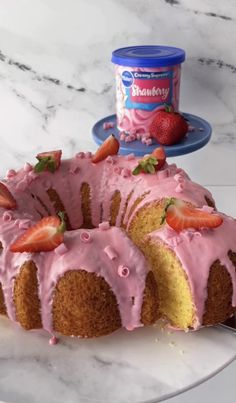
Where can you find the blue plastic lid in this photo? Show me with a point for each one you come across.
(148, 56)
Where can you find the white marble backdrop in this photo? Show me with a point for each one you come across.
(56, 78)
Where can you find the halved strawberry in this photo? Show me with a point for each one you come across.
(44, 236)
(151, 163)
(160, 155)
(180, 216)
(48, 161)
(6, 199)
(110, 147)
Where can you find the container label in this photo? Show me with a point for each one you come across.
(147, 90)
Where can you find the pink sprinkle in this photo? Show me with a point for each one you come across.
(191, 128)
(108, 125)
(129, 328)
(162, 174)
(143, 140)
(28, 167)
(179, 188)
(130, 157)
(148, 142)
(88, 154)
(122, 136)
(173, 166)
(61, 249)
(123, 271)
(146, 135)
(197, 233)
(85, 237)
(53, 341)
(7, 216)
(104, 225)
(125, 172)
(110, 160)
(81, 154)
(11, 173)
(24, 224)
(138, 136)
(179, 178)
(33, 175)
(132, 137)
(117, 170)
(110, 252)
(207, 209)
(128, 139)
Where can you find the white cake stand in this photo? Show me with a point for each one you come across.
(144, 366)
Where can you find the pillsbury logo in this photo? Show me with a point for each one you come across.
(127, 78)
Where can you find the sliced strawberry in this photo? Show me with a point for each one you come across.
(160, 155)
(151, 163)
(6, 199)
(180, 216)
(44, 236)
(110, 147)
(48, 161)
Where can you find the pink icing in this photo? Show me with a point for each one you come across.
(197, 250)
(76, 252)
(104, 225)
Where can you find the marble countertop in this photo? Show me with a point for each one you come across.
(56, 80)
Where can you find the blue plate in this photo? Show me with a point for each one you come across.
(193, 141)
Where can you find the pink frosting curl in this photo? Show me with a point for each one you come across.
(110, 252)
(85, 237)
(123, 271)
(104, 225)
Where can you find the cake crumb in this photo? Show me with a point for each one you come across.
(181, 352)
(172, 344)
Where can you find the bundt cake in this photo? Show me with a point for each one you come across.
(120, 262)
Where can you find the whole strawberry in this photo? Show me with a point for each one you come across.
(168, 127)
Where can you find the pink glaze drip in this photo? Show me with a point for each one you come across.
(103, 179)
(197, 250)
(91, 258)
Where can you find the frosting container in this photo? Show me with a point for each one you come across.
(147, 78)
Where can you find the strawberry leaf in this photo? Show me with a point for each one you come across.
(62, 227)
(137, 170)
(41, 165)
(51, 165)
(45, 163)
(168, 108)
(169, 202)
(151, 168)
(147, 165)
